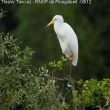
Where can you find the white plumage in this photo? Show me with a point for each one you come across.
(67, 38)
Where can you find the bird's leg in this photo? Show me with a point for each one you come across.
(70, 63)
(71, 57)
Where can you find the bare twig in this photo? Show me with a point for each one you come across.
(67, 78)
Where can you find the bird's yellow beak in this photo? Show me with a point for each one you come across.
(50, 23)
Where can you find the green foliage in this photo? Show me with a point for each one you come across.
(93, 93)
(90, 22)
(2, 13)
(21, 85)
(59, 64)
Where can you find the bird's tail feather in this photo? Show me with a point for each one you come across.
(74, 62)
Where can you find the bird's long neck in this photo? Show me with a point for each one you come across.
(58, 27)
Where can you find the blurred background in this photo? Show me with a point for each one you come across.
(90, 22)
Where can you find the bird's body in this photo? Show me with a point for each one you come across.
(67, 39)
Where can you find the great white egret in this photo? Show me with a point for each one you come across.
(67, 38)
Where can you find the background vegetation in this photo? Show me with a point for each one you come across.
(90, 22)
(20, 69)
(26, 87)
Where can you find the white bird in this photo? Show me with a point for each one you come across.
(67, 38)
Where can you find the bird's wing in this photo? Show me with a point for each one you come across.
(72, 42)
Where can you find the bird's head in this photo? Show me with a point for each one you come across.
(56, 18)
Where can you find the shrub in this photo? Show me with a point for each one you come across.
(21, 85)
(93, 93)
